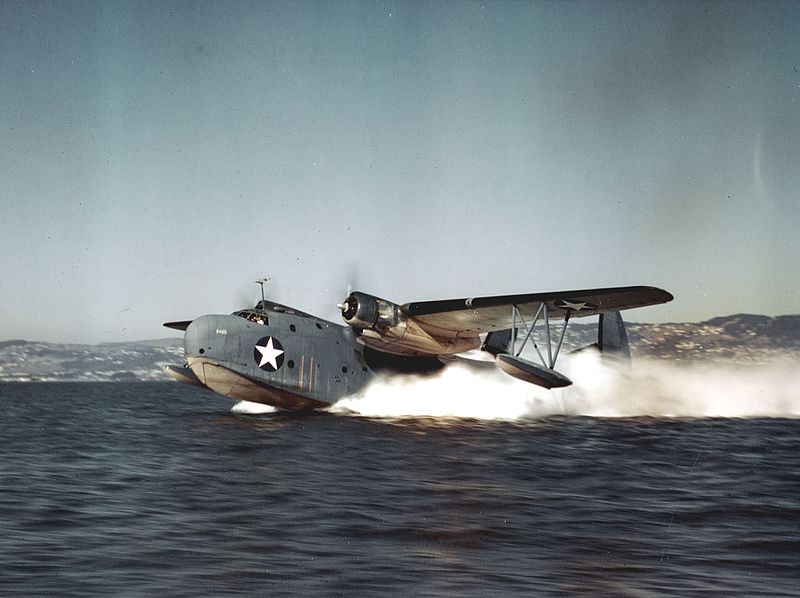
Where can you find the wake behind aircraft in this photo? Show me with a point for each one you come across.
(283, 357)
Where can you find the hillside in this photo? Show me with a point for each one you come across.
(742, 338)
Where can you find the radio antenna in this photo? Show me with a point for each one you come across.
(261, 282)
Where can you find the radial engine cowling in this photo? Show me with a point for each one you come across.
(384, 326)
(370, 313)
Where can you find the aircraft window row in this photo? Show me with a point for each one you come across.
(253, 317)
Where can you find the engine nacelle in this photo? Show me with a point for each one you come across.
(367, 312)
(384, 326)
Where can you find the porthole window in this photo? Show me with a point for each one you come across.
(290, 363)
(201, 351)
(319, 325)
(292, 327)
(344, 369)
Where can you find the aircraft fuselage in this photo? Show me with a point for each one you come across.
(277, 356)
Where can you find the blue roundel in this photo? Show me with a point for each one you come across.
(269, 354)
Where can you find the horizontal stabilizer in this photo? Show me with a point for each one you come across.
(178, 325)
(592, 347)
(497, 342)
(527, 371)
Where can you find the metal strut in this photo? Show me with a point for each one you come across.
(552, 356)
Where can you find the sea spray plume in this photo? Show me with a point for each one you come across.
(457, 391)
(669, 389)
(252, 408)
(601, 389)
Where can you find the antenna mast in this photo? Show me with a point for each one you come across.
(261, 282)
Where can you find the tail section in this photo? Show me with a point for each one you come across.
(497, 342)
(612, 339)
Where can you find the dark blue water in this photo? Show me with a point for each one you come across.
(155, 488)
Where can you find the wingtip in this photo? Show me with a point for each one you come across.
(667, 296)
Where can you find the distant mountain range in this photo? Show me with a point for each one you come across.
(26, 361)
(741, 338)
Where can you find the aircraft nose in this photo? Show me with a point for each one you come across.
(196, 339)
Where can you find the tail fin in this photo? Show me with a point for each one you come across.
(612, 339)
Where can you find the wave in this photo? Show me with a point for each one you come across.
(252, 408)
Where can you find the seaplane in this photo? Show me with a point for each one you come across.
(283, 357)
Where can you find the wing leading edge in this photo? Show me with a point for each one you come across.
(472, 316)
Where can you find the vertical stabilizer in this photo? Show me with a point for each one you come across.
(612, 339)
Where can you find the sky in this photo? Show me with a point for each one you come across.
(158, 157)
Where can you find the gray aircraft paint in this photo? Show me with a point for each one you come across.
(322, 361)
(280, 356)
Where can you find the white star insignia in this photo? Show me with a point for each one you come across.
(269, 354)
(573, 306)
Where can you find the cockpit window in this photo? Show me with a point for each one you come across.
(253, 317)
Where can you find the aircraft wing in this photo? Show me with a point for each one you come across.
(472, 316)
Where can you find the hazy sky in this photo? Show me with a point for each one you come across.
(156, 158)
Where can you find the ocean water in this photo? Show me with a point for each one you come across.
(160, 489)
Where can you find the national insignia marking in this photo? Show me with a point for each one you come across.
(269, 354)
(573, 305)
